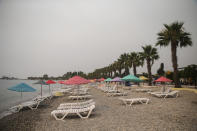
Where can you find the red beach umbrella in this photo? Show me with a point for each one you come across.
(50, 82)
(61, 82)
(163, 79)
(101, 79)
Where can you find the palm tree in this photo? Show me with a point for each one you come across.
(150, 55)
(124, 63)
(135, 61)
(174, 35)
(119, 66)
(116, 68)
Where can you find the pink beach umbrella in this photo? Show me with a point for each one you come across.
(76, 80)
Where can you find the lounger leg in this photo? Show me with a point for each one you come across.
(60, 118)
(166, 96)
(125, 103)
(131, 102)
(85, 116)
(147, 101)
(141, 101)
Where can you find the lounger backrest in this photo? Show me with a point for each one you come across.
(173, 93)
(79, 103)
(168, 90)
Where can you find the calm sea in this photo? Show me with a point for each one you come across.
(11, 98)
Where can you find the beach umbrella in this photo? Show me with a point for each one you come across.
(117, 79)
(101, 79)
(108, 80)
(61, 82)
(22, 87)
(143, 78)
(76, 80)
(131, 78)
(49, 82)
(163, 79)
(91, 81)
(41, 82)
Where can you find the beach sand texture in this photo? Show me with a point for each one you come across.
(176, 114)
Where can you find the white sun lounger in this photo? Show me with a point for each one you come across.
(134, 100)
(161, 91)
(80, 97)
(30, 104)
(165, 95)
(65, 112)
(78, 103)
(80, 106)
(143, 90)
(117, 94)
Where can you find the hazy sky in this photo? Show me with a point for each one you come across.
(56, 36)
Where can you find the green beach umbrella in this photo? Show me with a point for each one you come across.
(108, 80)
(41, 82)
(131, 78)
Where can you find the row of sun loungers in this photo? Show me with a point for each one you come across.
(80, 108)
(112, 91)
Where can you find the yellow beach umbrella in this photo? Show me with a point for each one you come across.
(143, 78)
(58, 94)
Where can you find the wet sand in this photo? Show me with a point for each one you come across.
(176, 114)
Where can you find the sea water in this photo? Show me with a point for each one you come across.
(10, 98)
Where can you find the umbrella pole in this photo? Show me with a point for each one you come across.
(41, 90)
(49, 90)
(21, 95)
(78, 93)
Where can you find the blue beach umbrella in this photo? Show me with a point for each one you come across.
(22, 87)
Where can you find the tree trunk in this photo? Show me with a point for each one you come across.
(134, 70)
(114, 73)
(119, 72)
(126, 71)
(149, 72)
(175, 65)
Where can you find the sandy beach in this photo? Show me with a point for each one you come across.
(177, 114)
